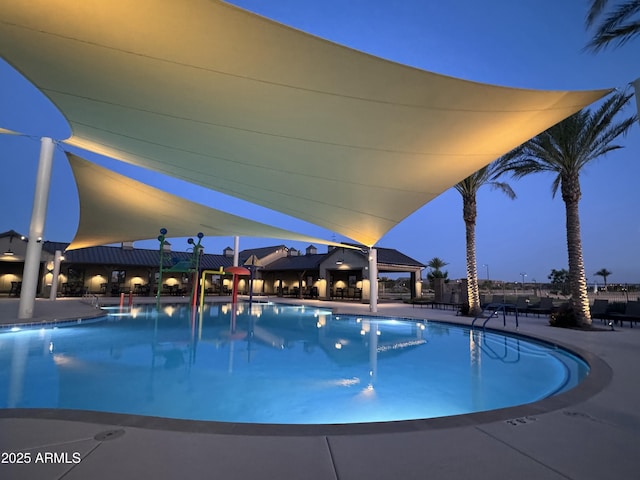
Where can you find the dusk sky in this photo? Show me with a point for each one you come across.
(526, 44)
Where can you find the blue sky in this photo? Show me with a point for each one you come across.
(519, 44)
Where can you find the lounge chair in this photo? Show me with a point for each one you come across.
(455, 305)
(599, 309)
(485, 300)
(545, 307)
(497, 299)
(631, 314)
(521, 306)
(421, 302)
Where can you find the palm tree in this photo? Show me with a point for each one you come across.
(620, 25)
(604, 273)
(468, 188)
(436, 265)
(564, 150)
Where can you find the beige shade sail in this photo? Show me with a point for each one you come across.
(215, 95)
(4, 131)
(116, 208)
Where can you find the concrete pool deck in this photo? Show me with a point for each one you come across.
(591, 432)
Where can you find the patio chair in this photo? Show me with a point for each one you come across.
(16, 288)
(631, 314)
(497, 299)
(485, 300)
(545, 307)
(599, 309)
(521, 306)
(452, 302)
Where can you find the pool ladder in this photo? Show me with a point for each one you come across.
(93, 299)
(494, 308)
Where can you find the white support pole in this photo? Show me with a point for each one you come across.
(236, 250)
(36, 230)
(373, 280)
(56, 272)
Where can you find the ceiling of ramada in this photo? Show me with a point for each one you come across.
(218, 96)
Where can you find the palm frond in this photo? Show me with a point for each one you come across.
(596, 8)
(617, 28)
(601, 128)
(555, 185)
(487, 175)
(620, 14)
(504, 188)
(568, 146)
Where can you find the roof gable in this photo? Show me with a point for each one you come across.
(297, 262)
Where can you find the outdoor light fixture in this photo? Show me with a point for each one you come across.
(486, 265)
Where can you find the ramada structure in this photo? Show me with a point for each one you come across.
(218, 96)
(342, 272)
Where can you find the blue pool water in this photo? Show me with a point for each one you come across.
(276, 364)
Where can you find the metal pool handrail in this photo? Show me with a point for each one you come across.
(495, 308)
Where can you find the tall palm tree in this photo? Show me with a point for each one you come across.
(468, 188)
(565, 149)
(604, 273)
(619, 25)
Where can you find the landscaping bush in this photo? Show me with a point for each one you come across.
(564, 317)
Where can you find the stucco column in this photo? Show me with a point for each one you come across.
(36, 230)
(412, 284)
(56, 272)
(373, 280)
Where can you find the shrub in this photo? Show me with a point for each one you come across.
(564, 317)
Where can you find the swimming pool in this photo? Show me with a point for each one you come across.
(276, 364)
